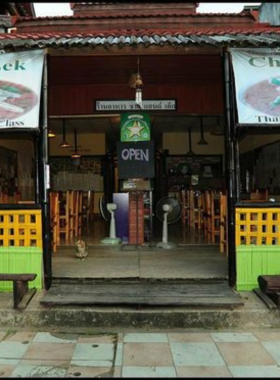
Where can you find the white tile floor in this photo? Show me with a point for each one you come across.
(159, 354)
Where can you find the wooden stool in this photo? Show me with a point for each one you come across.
(215, 216)
(223, 223)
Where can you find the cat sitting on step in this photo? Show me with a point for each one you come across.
(81, 249)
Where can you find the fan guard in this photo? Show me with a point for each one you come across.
(176, 209)
(103, 208)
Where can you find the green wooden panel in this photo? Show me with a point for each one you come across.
(21, 260)
(255, 260)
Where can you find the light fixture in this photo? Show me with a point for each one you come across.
(64, 143)
(135, 81)
(202, 141)
(75, 154)
(218, 130)
(190, 152)
(51, 134)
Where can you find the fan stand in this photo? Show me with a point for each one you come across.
(112, 239)
(165, 244)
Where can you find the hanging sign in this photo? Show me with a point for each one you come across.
(136, 159)
(20, 89)
(257, 83)
(130, 105)
(135, 127)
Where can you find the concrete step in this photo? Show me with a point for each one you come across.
(253, 314)
(142, 292)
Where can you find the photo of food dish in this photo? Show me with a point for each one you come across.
(15, 100)
(264, 96)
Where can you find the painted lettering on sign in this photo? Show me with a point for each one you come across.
(130, 105)
(16, 65)
(264, 61)
(136, 159)
(135, 154)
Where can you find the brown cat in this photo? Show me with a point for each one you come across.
(81, 249)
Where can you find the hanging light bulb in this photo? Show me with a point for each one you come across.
(75, 154)
(64, 143)
(202, 141)
(138, 97)
(135, 81)
(51, 134)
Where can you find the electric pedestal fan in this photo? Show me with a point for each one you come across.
(168, 210)
(108, 212)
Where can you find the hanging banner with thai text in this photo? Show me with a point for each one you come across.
(257, 84)
(20, 89)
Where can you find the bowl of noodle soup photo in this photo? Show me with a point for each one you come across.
(15, 100)
(264, 96)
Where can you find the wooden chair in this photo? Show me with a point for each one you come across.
(259, 195)
(223, 223)
(54, 214)
(214, 216)
(72, 205)
(64, 215)
(185, 199)
(17, 196)
(76, 215)
(79, 221)
(87, 205)
(207, 215)
(195, 210)
(4, 198)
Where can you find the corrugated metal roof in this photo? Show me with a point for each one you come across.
(266, 36)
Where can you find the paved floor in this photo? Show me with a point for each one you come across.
(121, 261)
(140, 354)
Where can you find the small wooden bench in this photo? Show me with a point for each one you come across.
(270, 285)
(20, 285)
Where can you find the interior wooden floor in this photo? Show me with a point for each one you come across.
(193, 258)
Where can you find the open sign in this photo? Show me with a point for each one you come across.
(136, 159)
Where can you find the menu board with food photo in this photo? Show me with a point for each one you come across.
(257, 84)
(20, 89)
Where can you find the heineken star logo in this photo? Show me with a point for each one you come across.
(135, 130)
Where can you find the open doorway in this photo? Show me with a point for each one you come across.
(189, 152)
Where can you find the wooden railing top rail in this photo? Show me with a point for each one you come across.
(252, 204)
(15, 206)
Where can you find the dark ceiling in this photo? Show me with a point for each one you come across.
(154, 69)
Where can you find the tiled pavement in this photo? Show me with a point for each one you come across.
(141, 354)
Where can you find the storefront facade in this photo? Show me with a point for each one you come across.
(182, 55)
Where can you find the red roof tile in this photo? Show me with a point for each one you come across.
(139, 15)
(253, 30)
